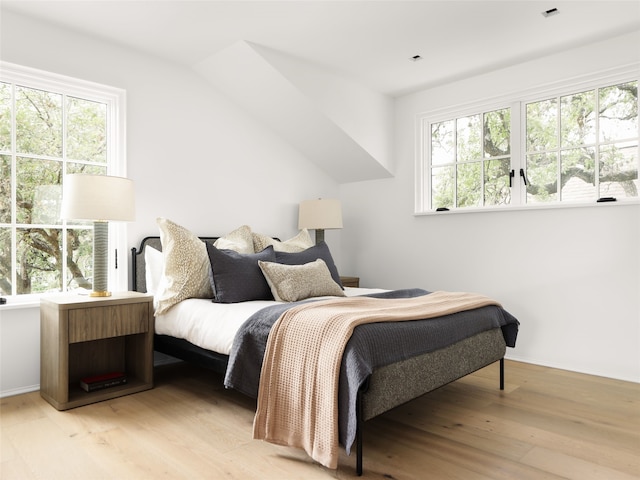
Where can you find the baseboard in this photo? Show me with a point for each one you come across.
(19, 391)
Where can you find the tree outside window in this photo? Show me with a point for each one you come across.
(470, 160)
(583, 146)
(44, 135)
(570, 148)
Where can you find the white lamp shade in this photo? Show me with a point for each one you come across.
(320, 214)
(97, 197)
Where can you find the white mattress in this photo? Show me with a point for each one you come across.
(213, 326)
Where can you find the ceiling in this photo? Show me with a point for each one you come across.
(369, 41)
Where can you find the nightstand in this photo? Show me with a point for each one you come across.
(86, 336)
(350, 281)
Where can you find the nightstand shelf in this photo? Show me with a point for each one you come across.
(86, 336)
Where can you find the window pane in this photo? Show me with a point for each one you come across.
(86, 130)
(578, 119)
(619, 112)
(5, 116)
(469, 146)
(39, 122)
(5, 189)
(578, 174)
(496, 182)
(619, 170)
(79, 258)
(38, 267)
(497, 128)
(542, 173)
(469, 185)
(5, 261)
(84, 168)
(442, 187)
(442, 143)
(36, 179)
(542, 125)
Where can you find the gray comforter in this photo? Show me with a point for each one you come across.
(371, 346)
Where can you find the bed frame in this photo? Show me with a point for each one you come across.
(386, 388)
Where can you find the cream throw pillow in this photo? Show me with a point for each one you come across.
(240, 240)
(186, 266)
(300, 242)
(290, 283)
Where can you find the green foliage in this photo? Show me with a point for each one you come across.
(39, 171)
(588, 164)
(578, 147)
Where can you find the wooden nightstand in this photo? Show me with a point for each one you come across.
(350, 281)
(85, 336)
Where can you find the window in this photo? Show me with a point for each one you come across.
(583, 146)
(573, 147)
(51, 126)
(470, 160)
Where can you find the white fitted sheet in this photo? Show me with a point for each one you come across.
(213, 326)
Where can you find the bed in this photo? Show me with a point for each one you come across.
(384, 383)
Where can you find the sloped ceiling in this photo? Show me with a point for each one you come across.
(344, 127)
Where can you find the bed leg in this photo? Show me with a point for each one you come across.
(360, 422)
(502, 373)
(359, 433)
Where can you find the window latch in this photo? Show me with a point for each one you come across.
(512, 174)
(524, 176)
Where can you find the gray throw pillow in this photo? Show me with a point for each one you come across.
(236, 277)
(321, 250)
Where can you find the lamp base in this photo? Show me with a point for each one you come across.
(100, 254)
(100, 294)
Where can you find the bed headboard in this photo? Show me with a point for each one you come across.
(138, 267)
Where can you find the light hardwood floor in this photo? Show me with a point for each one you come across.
(547, 424)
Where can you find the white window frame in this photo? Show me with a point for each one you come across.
(516, 102)
(115, 99)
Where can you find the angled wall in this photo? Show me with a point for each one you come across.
(342, 127)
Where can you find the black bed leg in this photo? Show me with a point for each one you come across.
(502, 374)
(359, 434)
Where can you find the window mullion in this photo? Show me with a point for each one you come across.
(518, 151)
(598, 144)
(14, 195)
(63, 226)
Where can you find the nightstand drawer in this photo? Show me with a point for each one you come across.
(87, 324)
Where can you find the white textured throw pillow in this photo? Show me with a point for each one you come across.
(186, 266)
(240, 240)
(300, 242)
(290, 283)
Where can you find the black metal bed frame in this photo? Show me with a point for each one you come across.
(184, 350)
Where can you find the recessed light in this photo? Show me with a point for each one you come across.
(415, 58)
(550, 12)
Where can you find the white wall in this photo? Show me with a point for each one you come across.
(194, 156)
(572, 276)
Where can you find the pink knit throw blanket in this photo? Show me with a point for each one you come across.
(298, 392)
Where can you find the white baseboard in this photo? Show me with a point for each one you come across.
(19, 391)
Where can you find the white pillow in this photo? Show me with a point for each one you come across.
(240, 240)
(154, 266)
(186, 266)
(300, 242)
(290, 283)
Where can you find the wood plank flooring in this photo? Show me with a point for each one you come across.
(546, 424)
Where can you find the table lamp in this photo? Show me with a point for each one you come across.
(100, 198)
(319, 215)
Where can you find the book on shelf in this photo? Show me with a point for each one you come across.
(98, 382)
